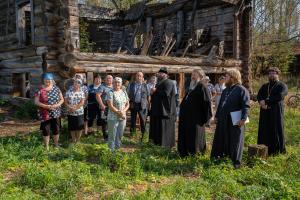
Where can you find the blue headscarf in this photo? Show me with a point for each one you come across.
(48, 76)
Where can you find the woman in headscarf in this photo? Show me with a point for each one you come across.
(118, 104)
(49, 99)
(74, 100)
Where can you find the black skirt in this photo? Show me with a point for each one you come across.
(75, 123)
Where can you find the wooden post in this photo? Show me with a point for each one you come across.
(90, 78)
(179, 28)
(148, 24)
(181, 85)
(246, 38)
(236, 37)
(23, 84)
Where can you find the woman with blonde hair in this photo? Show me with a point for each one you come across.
(230, 118)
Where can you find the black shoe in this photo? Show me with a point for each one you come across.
(237, 166)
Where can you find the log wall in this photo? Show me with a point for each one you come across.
(17, 58)
(56, 34)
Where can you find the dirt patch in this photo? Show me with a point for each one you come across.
(136, 188)
(10, 126)
(11, 174)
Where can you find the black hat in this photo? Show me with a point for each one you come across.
(163, 70)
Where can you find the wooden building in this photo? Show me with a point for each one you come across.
(43, 35)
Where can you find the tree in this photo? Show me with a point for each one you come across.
(276, 28)
(85, 44)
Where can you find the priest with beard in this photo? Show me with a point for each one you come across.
(163, 111)
(271, 120)
(229, 137)
(195, 112)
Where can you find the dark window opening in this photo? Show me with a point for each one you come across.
(28, 39)
(24, 23)
(21, 85)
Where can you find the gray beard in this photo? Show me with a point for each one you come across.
(193, 84)
(160, 79)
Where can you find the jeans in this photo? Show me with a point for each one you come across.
(115, 133)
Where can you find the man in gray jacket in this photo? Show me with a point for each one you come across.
(139, 99)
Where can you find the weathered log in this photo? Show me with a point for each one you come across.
(5, 80)
(158, 60)
(29, 62)
(23, 52)
(170, 48)
(6, 89)
(9, 37)
(147, 43)
(87, 66)
(187, 47)
(258, 150)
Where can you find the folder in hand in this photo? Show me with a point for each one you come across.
(236, 117)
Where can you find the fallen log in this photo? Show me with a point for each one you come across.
(72, 59)
(87, 66)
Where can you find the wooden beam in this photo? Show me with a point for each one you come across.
(86, 66)
(159, 60)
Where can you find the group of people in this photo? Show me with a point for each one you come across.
(108, 102)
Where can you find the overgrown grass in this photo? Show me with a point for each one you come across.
(88, 170)
(26, 111)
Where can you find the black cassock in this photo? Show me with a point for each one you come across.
(163, 114)
(195, 111)
(271, 121)
(229, 139)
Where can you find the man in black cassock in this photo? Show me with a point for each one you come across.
(271, 123)
(229, 138)
(163, 111)
(195, 112)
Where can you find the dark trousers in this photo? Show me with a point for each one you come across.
(135, 110)
(95, 113)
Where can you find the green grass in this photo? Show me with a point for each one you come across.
(88, 170)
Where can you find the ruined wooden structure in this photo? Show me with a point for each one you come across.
(43, 35)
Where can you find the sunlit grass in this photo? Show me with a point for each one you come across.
(88, 170)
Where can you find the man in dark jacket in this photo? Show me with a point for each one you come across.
(163, 111)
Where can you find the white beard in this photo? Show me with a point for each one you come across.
(193, 84)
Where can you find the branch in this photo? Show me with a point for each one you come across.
(115, 4)
(282, 41)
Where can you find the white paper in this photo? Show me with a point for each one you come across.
(236, 117)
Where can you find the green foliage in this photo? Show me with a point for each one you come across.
(276, 29)
(89, 170)
(26, 111)
(4, 102)
(85, 44)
